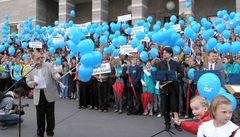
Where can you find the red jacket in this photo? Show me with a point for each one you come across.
(192, 126)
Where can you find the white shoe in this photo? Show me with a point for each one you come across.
(150, 113)
(145, 113)
(159, 115)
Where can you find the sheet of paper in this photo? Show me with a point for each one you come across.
(40, 81)
(236, 88)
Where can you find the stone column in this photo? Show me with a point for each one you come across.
(65, 6)
(139, 10)
(237, 6)
(99, 11)
(41, 12)
(184, 9)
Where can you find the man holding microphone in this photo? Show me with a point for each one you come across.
(43, 80)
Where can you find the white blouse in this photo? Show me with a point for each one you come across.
(207, 129)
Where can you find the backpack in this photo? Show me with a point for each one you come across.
(3, 95)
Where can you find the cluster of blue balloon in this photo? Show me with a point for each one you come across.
(17, 69)
(209, 86)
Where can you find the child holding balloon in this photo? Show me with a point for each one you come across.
(199, 107)
(221, 110)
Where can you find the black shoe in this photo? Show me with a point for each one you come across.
(167, 127)
(178, 128)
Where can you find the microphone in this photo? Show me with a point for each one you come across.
(36, 64)
(25, 105)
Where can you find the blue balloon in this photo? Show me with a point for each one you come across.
(221, 28)
(212, 42)
(191, 73)
(18, 77)
(150, 19)
(220, 14)
(167, 25)
(140, 48)
(205, 35)
(116, 52)
(85, 73)
(188, 32)
(232, 15)
(222, 91)
(174, 37)
(24, 57)
(235, 48)
(103, 40)
(232, 99)
(56, 23)
(11, 50)
(188, 4)
(72, 13)
(156, 27)
(58, 61)
(196, 28)
(187, 50)
(75, 34)
(88, 60)
(2, 48)
(237, 30)
(226, 34)
(181, 23)
(85, 46)
(144, 56)
(140, 22)
(140, 35)
(154, 53)
(115, 42)
(107, 50)
(226, 17)
(97, 58)
(190, 19)
(129, 31)
(176, 50)
(173, 19)
(219, 48)
(51, 50)
(17, 68)
(208, 86)
(217, 21)
(134, 42)
(180, 42)
(122, 40)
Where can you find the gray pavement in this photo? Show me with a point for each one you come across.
(73, 122)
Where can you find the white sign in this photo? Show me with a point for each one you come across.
(37, 45)
(57, 40)
(146, 39)
(84, 25)
(126, 49)
(124, 18)
(136, 29)
(177, 27)
(104, 68)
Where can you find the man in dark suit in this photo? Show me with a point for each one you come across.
(134, 75)
(169, 92)
(213, 64)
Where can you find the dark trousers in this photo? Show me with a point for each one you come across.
(134, 107)
(93, 96)
(45, 109)
(3, 84)
(169, 101)
(83, 94)
(103, 95)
